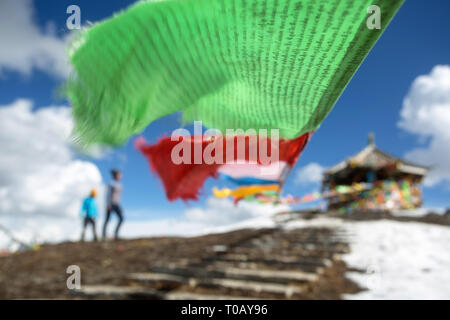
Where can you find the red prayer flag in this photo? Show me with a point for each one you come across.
(184, 163)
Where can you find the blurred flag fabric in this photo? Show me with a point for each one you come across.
(242, 171)
(259, 64)
(184, 177)
(244, 191)
(246, 181)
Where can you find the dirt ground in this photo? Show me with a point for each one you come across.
(41, 274)
(433, 218)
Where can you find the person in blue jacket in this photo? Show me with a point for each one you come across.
(89, 212)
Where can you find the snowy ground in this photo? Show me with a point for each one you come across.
(401, 260)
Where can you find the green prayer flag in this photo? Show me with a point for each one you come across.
(261, 64)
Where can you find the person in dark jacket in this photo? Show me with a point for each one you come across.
(113, 202)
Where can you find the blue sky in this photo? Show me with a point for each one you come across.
(416, 41)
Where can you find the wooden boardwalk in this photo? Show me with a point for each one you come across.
(272, 264)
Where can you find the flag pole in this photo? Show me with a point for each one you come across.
(288, 169)
(284, 175)
(11, 237)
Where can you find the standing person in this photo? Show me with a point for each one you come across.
(113, 202)
(89, 212)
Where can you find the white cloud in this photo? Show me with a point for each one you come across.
(312, 173)
(426, 113)
(219, 215)
(42, 186)
(40, 179)
(25, 46)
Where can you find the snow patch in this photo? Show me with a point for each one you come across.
(400, 260)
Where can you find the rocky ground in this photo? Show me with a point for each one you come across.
(433, 218)
(279, 263)
(263, 263)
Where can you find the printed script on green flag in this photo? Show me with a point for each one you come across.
(261, 64)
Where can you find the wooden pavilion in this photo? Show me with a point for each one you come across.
(373, 180)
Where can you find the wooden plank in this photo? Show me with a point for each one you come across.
(117, 292)
(242, 285)
(272, 275)
(184, 295)
(125, 292)
(275, 276)
(261, 266)
(274, 260)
